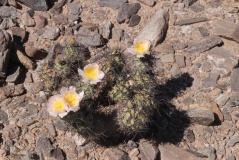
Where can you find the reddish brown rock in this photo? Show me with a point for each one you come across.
(40, 21)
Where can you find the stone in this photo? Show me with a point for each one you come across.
(209, 82)
(127, 10)
(117, 34)
(5, 49)
(223, 60)
(189, 2)
(115, 4)
(34, 52)
(197, 8)
(51, 32)
(233, 141)
(214, 76)
(131, 145)
(233, 101)
(222, 99)
(44, 146)
(171, 152)
(11, 132)
(73, 11)
(180, 61)
(7, 23)
(156, 28)
(3, 116)
(13, 3)
(214, 107)
(191, 21)
(234, 83)
(27, 20)
(147, 2)
(189, 136)
(115, 153)
(200, 115)
(38, 5)
(40, 21)
(148, 151)
(106, 29)
(134, 152)
(11, 91)
(175, 71)
(210, 152)
(165, 48)
(9, 12)
(61, 126)
(177, 45)
(134, 20)
(203, 31)
(206, 66)
(167, 58)
(19, 34)
(57, 154)
(57, 8)
(25, 61)
(226, 29)
(203, 45)
(14, 74)
(79, 140)
(89, 38)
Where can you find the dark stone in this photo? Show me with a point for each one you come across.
(189, 2)
(115, 4)
(204, 32)
(57, 154)
(3, 116)
(134, 20)
(44, 146)
(39, 5)
(127, 10)
(189, 136)
(191, 21)
(234, 80)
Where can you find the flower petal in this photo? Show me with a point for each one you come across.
(101, 75)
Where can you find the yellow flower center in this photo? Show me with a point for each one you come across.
(141, 47)
(59, 105)
(91, 72)
(71, 98)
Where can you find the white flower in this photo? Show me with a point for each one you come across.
(91, 73)
(140, 48)
(72, 98)
(57, 106)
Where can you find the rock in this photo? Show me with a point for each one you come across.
(24, 60)
(189, 2)
(11, 132)
(34, 52)
(115, 4)
(3, 116)
(233, 101)
(44, 146)
(73, 11)
(39, 5)
(189, 136)
(171, 152)
(79, 140)
(131, 145)
(175, 71)
(134, 20)
(13, 3)
(234, 80)
(127, 10)
(9, 12)
(147, 2)
(165, 48)
(233, 141)
(117, 34)
(14, 74)
(19, 34)
(191, 21)
(180, 60)
(11, 91)
(210, 152)
(156, 28)
(57, 8)
(51, 32)
(167, 58)
(148, 151)
(40, 21)
(106, 29)
(214, 107)
(226, 29)
(115, 153)
(204, 32)
(27, 20)
(223, 60)
(209, 82)
(197, 8)
(89, 38)
(200, 115)
(57, 154)
(177, 45)
(61, 126)
(203, 45)
(5, 48)
(214, 76)
(134, 152)
(7, 23)
(222, 99)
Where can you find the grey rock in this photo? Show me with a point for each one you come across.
(226, 115)
(233, 101)
(203, 45)
(223, 60)
(9, 12)
(39, 5)
(210, 152)
(171, 152)
(11, 132)
(197, 8)
(57, 8)
(209, 82)
(59, 20)
(131, 144)
(26, 121)
(51, 129)
(156, 28)
(134, 152)
(214, 76)
(127, 10)
(14, 74)
(206, 66)
(5, 46)
(3, 116)
(234, 80)
(27, 20)
(222, 99)
(19, 34)
(233, 141)
(204, 32)
(175, 71)
(189, 2)
(148, 151)
(106, 29)
(200, 115)
(115, 4)
(115, 153)
(11, 91)
(44, 146)
(134, 20)
(215, 4)
(165, 48)
(147, 2)
(7, 23)
(74, 12)
(180, 60)
(61, 126)
(189, 136)
(191, 21)
(198, 154)
(57, 154)
(167, 58)
(226, 29)
(177, 45)
(51, 32)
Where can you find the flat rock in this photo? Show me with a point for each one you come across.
(25, 61)
(51, 32)
(180, 60)
(226, 29)
(44, 146)
(9, 12)
(27, 20)
(171, 152)
(203, 45)
(200, 115)
(156, 28)
(134, 20)
(73, 11)
(233, 141)
(147, 2)
(197, 8)
(234, 80)
(203, 31)
(222, 60)
(148, 151)
(106, 29)
(38, 5)
(14, 74)
(19, 34)
(233, 101)
(209, 82)
(191, 21)
(11, 132)
(115, 4)
(222, 99)
(127, 10)
(115, 153)
(11, 91)
(167, 58)
(3, 116)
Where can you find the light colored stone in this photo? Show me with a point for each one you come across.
(200, 115)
